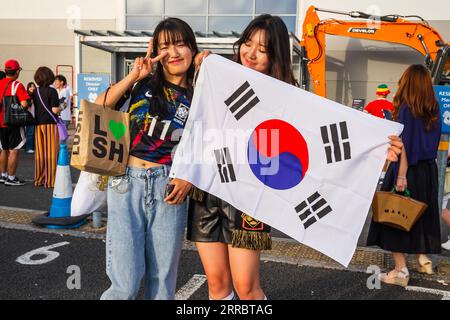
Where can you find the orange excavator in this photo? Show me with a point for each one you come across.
(411, 31)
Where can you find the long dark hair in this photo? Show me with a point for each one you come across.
(415, 88)
(277, 46)
(29, 85)
(174, 30)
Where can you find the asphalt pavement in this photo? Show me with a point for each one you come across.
(48, 277)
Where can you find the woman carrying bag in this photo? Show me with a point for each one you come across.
(146, 211)
(416, 107)
(46, 104)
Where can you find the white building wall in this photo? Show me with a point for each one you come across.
(62, 9)
(40, 33)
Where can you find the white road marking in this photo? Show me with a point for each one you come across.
(443, 293)
(45, 251)
(190, 287)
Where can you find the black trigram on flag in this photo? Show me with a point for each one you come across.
(225, 165)
(242, 101)
(312, 210)
(338, 148)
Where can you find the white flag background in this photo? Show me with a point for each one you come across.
(315, 176)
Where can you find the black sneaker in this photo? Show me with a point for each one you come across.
(3, 179)
(14, 182)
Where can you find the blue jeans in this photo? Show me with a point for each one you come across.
(30, 138)
(144, 236)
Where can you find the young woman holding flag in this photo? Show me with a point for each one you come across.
(230, 242)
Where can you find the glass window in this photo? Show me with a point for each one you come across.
(142, 23)
(154, 7)
(228, 24)
(196, 23)
(277, 7)
(290, 23)
(230, 7)
(185, 7)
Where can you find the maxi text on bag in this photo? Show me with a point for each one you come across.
(102, 140)
(301, 163)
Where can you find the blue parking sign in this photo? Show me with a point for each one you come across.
(443, 96)
(91, 85)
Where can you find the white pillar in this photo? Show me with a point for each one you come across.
(78, 64)
(121, 12)
(302, 6)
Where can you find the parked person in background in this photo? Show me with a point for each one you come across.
(47, 108)
(381, 107)
(12, 138)
(417, 109)
(60, 84)
(30, 129)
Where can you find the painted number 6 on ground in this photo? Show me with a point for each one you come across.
(44, 251)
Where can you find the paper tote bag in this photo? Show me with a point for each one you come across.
(397, 211)
(102, 140)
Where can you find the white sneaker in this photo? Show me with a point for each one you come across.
(446, 245)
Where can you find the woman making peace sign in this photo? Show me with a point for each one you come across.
(146, 225)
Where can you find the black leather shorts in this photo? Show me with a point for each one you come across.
(211, 220)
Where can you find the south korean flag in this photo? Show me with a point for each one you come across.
(303, 164)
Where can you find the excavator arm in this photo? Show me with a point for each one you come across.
(394, 29)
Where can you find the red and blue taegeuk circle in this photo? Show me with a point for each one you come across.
(278, 154)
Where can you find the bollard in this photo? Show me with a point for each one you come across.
(97, 220)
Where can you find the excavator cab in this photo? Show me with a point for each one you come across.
(441, 69)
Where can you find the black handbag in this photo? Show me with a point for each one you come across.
(15, 114)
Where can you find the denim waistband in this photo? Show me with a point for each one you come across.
(143, 173)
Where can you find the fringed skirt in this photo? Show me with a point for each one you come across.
(211, 219)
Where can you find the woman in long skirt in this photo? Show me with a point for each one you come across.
(417, 109)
